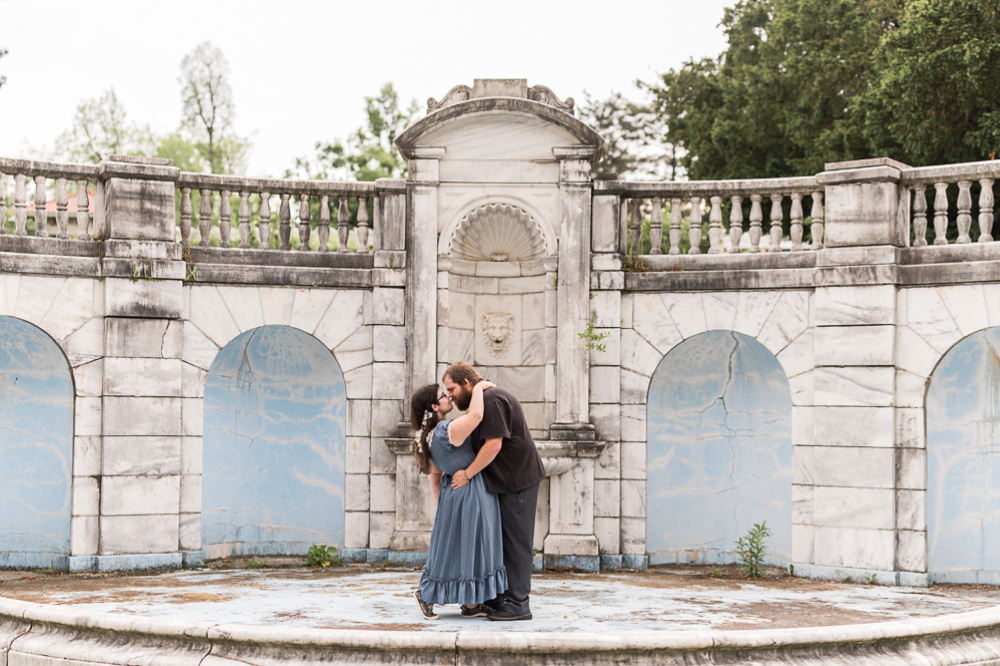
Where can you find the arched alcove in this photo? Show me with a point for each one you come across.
(963, 462)
(36, 448)
(719, 450)
(274, 452)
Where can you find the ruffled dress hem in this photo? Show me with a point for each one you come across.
(463, 590)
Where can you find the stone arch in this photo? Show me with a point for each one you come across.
(36, 447)
(962, 411)
(274, 449)
(719, 450)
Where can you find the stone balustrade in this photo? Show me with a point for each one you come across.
(65, 176)
(670, 202)
(244, 202)
(968, 177)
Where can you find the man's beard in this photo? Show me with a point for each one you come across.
(462, 398)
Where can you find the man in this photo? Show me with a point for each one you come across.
(509, 462)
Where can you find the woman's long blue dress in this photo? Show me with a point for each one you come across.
(465, 562)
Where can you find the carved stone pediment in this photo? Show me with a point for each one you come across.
(501, 88)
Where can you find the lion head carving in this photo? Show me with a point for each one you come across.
(498, 328)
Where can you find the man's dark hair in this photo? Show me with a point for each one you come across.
(461, 371)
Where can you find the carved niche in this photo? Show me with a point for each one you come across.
(498, 232)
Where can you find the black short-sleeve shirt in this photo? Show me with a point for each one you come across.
(518, 465)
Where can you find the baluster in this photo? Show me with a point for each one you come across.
(284, 223)
(940, 213)
(20, 205)
(635, 228)
(304, 216)
(62, 209)
(3, 208)
(185, 216)
(343, 217)
(675, 226)
(756, 217)
(264, 227)
(919, 216)
(817, 219)
(964, 220)
(324, 223)
(40, 217)
(656, 227)
(244, 215)
(986, 211)
(225, 219)
(82, 210)
(205, 217)
(735, 224)
(777, 217)
(715, 226)
(694, 230)
(796, 228)
(363, 225)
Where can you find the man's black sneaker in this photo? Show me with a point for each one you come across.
(426, 609)
(504, 615)
(479, 610)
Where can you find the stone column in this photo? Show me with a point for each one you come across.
(145, 501)
(414, 508)
(846, 480)
(573, 295)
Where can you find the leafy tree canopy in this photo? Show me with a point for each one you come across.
(804, 82)
(370, 152)
(101, 128)
(633, 134)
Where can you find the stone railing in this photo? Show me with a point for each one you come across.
(40, 173)
(966, 176)
(693, 197)
(258, 199)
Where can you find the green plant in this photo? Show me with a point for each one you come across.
(848, 579)
(871, 579)
(635, 264)
(322, 556)
(791, 569)
(192, 273)
(751, 550)
(141, 272)
(593, 339)
(716, 571)
(256, 564)
(392, 260)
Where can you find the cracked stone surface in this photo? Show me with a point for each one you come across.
(361, 597)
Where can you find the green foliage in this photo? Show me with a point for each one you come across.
(633, 137)
(101, 128)
(593, 339)
(804, 82)
(322, 556)
(791, 569)
(256, 564)
(871, 579)
(751, 550)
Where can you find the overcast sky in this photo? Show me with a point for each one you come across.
(300, 70)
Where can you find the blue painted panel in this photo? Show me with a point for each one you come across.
(36, 447)
(719, 450)
(963, 462)
(274, 446)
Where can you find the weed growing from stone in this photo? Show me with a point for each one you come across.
(751, 550)
(593, 339)
(322, 556)
(256, 564)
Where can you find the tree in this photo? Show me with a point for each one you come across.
(370, 152)
(633, 137)
(209, 110)
(3, 79)
(101, 128)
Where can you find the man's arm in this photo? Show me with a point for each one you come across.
(491, 448)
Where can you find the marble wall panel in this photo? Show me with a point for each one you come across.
(36, 446)
(274, 444)
(719, 453)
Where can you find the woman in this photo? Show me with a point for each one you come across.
(465, 562)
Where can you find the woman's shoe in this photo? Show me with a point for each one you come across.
(426, 609)
(479, 610)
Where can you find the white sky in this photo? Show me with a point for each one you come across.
(300, 70)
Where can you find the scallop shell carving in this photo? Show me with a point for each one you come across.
(498, 232)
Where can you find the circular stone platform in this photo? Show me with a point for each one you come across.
(665, 615)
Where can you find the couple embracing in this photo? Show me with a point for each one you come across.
(484, 470)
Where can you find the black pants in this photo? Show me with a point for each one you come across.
(517, 522)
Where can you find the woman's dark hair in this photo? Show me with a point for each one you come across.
(423, 400)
